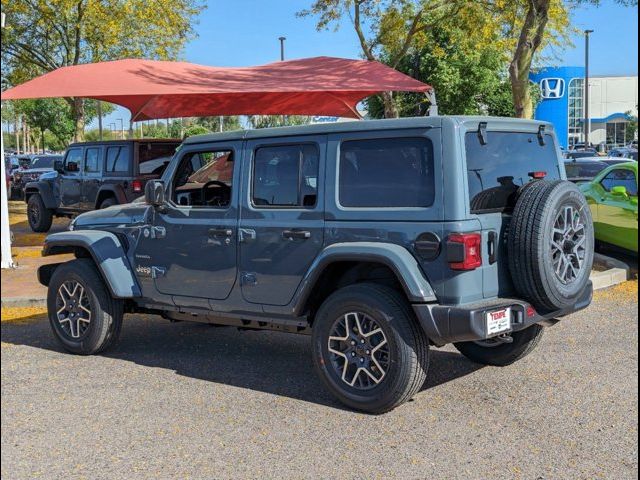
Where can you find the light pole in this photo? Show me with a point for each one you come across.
(7, 260)
(282, 39)
(121, 126)
(587, 122)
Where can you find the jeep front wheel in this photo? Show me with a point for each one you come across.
(39, 216)
(85, 319)
(368, 348)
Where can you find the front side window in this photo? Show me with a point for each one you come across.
(286, 176)
(92, 160)
(73, 160)
(204, 179)
(117, 159)
(386, 172)
(506, 162)
(621, 178)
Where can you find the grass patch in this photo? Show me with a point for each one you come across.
(623, 292)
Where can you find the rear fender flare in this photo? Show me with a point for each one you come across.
(107, 253)
(405, 267)
(111, 190)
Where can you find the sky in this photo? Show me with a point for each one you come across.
(245, 32)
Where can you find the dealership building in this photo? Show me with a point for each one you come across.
(610, 101)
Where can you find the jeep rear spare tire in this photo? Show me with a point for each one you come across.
(39, 216)
(550, 244)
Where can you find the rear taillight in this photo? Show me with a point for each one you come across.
(136, 185)
(464, 251)
(539, 175)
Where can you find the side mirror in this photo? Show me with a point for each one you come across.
(58, 166)
(154, 193)
(619, 191)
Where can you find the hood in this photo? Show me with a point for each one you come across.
(35, 170)
(117, 215)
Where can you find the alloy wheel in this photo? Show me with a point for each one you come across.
(358, 350)
(568, 244)
(73, 309)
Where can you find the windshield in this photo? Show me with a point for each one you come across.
(43, 162)
(506, 162)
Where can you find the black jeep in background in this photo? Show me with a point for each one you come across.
(95, 175)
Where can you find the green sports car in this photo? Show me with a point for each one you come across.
(613, 198)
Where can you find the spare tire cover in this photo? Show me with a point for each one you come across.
(550, 244)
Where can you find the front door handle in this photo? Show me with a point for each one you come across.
(296, 234)
(220, 232)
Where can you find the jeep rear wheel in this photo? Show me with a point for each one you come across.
(501, 352)
(107, 202)
(39, 216)
(85, 319)
(368, 348)
(550, 244)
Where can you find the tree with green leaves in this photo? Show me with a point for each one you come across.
(531, 25)
(269, 121)
(43, 35)
(392, 24)
(47, 114)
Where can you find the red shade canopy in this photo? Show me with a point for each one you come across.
(155, 89)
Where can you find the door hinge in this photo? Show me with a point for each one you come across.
(248, 279)
(158, 232)
(157, 272)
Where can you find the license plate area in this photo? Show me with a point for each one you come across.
(498, 321)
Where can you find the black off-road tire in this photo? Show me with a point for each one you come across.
(105, 323)
(108, 202)
(502, 354)
(408, 347)
(40, 217)
(529, 244)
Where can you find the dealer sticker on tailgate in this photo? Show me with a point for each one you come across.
(498, 321)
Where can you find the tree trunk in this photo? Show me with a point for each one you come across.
(77, 111)
(390, 109)
(529, 41)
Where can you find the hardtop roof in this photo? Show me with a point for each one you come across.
(358, 126)
(127, 140)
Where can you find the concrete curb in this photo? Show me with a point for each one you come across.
(19, 302)
(617, 272)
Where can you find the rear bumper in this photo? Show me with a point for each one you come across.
(465, 323)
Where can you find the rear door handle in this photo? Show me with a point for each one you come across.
(296, 234)
(220, 232)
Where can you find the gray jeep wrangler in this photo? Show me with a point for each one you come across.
(95, 175)
(379, 238)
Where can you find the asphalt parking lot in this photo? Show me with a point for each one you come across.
(180, 400)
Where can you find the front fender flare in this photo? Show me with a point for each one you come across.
(107, 253)
(397, 258)
(45, 191)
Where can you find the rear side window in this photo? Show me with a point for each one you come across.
(497, 169)
(92, 160)
(117, 159)
(386, 172)
(286, 176)
(153, 158)
(621, 177)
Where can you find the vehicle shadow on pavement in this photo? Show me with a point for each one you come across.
(269, 362)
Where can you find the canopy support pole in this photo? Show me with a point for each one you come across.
(433, 103)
